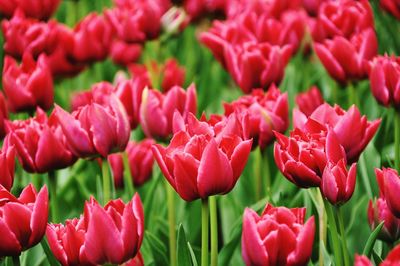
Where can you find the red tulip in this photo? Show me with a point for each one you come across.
(140, 160)
(99, 93)
(278, 237)
(137, 23)
(378, 211)
(338, 184)
(391, 6)
(24, 35)
(7, 7)
(123, 53)
(28, 86)
(345, 59)
(157, 109)
(7, 166)
(172, 75)
(256, 65)
(392, 258)
(23, 220)
(198, 8)
(312, 6)
(384, 76)
(301, 157)
(343, 18)
(362, 261)
(40, 9)
(114, 233)
(266, 112)
(3, 115)
(204, 159)
(32, 139)
(389, 185)
(92, 39)
(136, 261)
(67, 242)
(309, 101)
(353, 130)
(99, 128)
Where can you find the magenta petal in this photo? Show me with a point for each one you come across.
(305, 240)
(185, 172)
(9, 245)
(239, 158)
(39, 216)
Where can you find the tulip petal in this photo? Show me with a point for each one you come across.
(39, 216)
(185, 172)
(9, 245)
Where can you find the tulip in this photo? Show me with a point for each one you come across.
(353, 130)
(130, 93)
(257, 65)
(7, 166)
(32, 139)
(99, 128)
(301, 157)
(99, 93)
(345, 59)
(114, 233)
(136, 261)
(123, 53)
(278, 237)
(309, 101)
(92, 39)
(173, 75)
(23, 220)
(7, 7)
(204, 159)
(312, 6)
(199, 8)
(362, 261)
(337, 184)
(267, 112)
(391, 6)
(389, 183)
(343, 18)
(3, 115)
(136, 24)
(42, 9)
(157, 109)
(384, 75)
(378, 211)
(140, 160)
(24, 35)
(28, 86)
(67, 242)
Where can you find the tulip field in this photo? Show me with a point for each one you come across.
(200, 132)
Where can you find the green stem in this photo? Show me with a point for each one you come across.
(53, 196)
(128, 183)
(267, 172)
(204, 232)
(352, 95)
(214, 231)
(106, 181)
(49, 255)
(343, 236)
(171, 222)
(15, 260)
(333, 232)
(397, 139)
(322, 227)
(258, 175)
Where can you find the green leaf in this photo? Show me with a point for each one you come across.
(371, 240)
(228, 250)
(192, 255)
(158, 249)
(182, 251)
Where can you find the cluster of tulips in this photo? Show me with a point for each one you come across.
(147, 119)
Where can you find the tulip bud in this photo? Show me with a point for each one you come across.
(278, 228)
(7, 166)
(389, 185)
(92, 39)
(28, 86)
(23, 220)
(207, 159)
(32, 139)
(99, 128)
(378, 211)
(267, 112)
(309, 101)
(140, 160)
(384, 76)
(157, 109)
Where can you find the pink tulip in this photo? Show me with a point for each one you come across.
(7, 166)
(123, 53)
(204, 159)
(309, 101)
(3, 115)
(378, 211)
(389, 185)
(391, 6)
